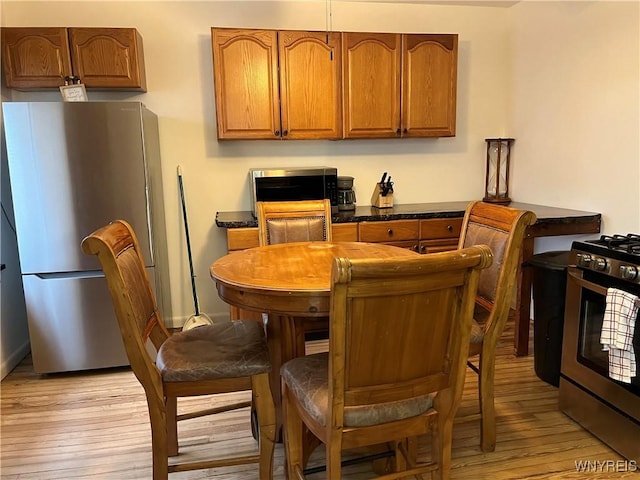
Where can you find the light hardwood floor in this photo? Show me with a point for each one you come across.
(95, 425)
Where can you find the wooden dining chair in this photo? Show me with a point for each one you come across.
(503, 229)
(399, 340)
(213, 359)
(297, 221)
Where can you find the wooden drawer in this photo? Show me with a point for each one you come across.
(241, 238)
(436, 228)
(433, 246)
(344, 232)
(389, 231)
(408, 244)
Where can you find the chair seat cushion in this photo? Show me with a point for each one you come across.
(307, 378)
(222, 350)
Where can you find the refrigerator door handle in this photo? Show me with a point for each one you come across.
(65, 275)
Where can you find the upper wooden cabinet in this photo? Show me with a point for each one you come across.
(429, 85)
(108, 58)
(245, 70)
(277, 85)
(399, 85)
(36, 58)
(371, 84)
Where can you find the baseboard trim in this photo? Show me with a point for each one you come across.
(8, 364)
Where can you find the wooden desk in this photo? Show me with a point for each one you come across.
(288, 281)
(552, 221)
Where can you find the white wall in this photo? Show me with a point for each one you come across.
(498, 57)
(575, 109)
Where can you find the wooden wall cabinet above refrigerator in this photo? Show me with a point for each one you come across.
(277, 84)
(39, 58)
(399, 85)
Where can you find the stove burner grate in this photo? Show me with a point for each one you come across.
(629, 243)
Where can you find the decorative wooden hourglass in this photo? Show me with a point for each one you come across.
(496, 188)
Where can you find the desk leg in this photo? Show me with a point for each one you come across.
(523, 309)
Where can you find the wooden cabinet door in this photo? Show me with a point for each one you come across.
(310, 87)
(429, 68)
(110, 58)
(35, 58)
(245, 70)
(371, 84)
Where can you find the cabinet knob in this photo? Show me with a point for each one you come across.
(423, 249)
(285, 133)
(405, 130)
(398, 131)
(277, 133)
(450, 228)
(390, 232)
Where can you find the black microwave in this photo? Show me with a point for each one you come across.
(294, 183)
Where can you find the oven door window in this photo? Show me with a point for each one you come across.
(592, 307)
(590, 351)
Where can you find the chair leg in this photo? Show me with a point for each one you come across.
(267, 423)
(171, 405)
(401, 448)
(441, 438)
(487, 407)
(158, 420)
(293, 434)
(334, 457)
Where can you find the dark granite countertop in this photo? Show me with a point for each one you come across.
(547, 215)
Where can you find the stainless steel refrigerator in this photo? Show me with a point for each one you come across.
(74, 167)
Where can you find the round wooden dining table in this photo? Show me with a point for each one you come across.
(288, 282)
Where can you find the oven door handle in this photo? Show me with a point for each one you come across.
(585, 283)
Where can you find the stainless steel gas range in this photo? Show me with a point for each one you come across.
(608, 408)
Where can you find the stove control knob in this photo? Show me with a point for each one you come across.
(583, 259)
(629, 272)
(600, 264)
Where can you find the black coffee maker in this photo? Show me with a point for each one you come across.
(346, 195)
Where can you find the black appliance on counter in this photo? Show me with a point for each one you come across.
(608, 408)
(292, 184)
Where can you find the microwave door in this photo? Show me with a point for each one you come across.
(270, 189)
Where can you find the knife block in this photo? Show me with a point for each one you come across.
(380, 201)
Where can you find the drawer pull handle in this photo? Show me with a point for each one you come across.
(450, 228)
(390, 232)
